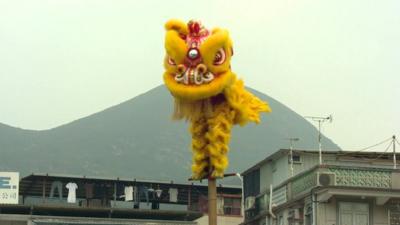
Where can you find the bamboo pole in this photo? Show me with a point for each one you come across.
(212, 201)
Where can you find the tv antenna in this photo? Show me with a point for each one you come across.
(320, 120)
(291, 140)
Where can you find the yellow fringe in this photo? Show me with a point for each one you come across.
(191, 110)
(211, 126)
(218, 136)
(198, 129)
(210, 139)
(247, 105)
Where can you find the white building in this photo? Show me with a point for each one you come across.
(348, 188)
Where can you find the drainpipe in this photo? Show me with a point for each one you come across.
(314, 207)
(270, 203)
(242, 202)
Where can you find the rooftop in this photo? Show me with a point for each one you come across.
(353, 154)
(35, 189)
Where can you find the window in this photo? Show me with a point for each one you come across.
(229, 205)
(291, 217)
(280, 220)
(296, 159)
(394, 211)
(295, 216)
(352, 213)
(394, 217)
(232, 206)
(252, 183)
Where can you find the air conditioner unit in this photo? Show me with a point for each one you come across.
(326, 179)
(250, 202)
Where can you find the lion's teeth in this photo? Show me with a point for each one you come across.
(194, 77)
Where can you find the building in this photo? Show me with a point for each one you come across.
(348, 188)
(45, 199)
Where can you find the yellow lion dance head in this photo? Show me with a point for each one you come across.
(206, 92)
(197, 61)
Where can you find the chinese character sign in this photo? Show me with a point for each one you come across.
(9, 187)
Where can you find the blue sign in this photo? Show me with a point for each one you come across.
(5, 183)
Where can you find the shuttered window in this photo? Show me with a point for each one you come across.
(252, 183)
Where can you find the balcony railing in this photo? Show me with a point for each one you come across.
(363, 177)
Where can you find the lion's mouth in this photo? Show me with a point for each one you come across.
(193, 76)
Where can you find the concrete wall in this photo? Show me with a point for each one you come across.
(327, 213)
(5, 222)
(17, 219)
(307, 162)
(278, 173)
(221, 220)
(265, 177)
(282, 171)
(274, 173)
(380, 216)
(9, 219)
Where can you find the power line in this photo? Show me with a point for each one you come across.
(383, 153)
(363, 149)
(369, 147)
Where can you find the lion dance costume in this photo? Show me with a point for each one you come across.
(206, 92)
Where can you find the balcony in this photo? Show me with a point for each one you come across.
(38, 196)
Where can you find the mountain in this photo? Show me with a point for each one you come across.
(138, 139)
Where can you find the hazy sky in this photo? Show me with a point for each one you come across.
(62, 60)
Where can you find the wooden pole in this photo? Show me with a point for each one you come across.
(212, 201)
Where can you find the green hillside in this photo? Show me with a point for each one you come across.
(137, 139)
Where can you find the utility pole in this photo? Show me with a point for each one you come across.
(320, 120)
(291, 140)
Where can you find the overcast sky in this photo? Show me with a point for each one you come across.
(62, 60)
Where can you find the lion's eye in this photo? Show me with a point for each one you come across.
(171, 61)
(219, 57)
